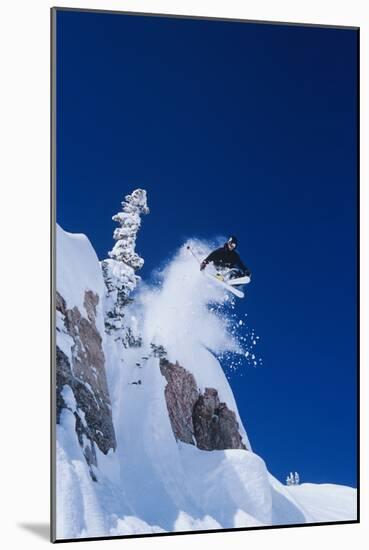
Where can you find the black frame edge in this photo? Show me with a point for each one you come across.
(358, 444)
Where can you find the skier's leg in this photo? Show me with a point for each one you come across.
(234, 273)
(220, 272)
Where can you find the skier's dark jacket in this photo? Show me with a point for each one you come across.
(224, 257)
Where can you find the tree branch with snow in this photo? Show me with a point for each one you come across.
(120, 270)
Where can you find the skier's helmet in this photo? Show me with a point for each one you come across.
(232, 241)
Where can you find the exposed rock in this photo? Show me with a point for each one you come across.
(215, 425)
(181, 395)
(196, 418)
(86, 377)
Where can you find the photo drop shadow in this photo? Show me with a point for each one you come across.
(42, 530)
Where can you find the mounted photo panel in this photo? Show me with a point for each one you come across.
(205, 178)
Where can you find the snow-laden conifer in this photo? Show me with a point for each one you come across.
(293, 479)
(129, 219)
(120, 270)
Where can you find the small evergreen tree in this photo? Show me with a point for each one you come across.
(129, 219)
(119, 271)
(293, 479)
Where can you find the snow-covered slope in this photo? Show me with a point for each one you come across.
(325, 502)
(77, 270)
(145, 478)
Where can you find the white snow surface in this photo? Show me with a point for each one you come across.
(78, 270)
(153, 483)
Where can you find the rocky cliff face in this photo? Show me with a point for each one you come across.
(181, 395)
(196, 418)
(83, 371)
(215, 425)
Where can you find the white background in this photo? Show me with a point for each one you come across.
(24, 302)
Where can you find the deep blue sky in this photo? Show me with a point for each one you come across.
(232, 128)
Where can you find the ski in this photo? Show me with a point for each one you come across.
(239, 281)
(230, 288)
(225, 285)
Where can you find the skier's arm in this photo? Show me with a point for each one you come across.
(210, 258)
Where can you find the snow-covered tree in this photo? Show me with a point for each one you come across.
(133, 207)
(120, 270)
(293, 479)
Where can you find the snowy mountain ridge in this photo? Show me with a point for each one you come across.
(149, 438)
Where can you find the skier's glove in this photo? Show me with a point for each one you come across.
(248, 272)
(202, 265)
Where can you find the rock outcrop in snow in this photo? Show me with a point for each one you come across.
(215, 424)
(181, 395)
(80, 365)
(86, 377)
(198, 418)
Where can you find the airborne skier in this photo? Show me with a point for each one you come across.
(227, 258)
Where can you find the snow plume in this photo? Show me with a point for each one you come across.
(188, 314)
(235, 362)
(176, 308)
